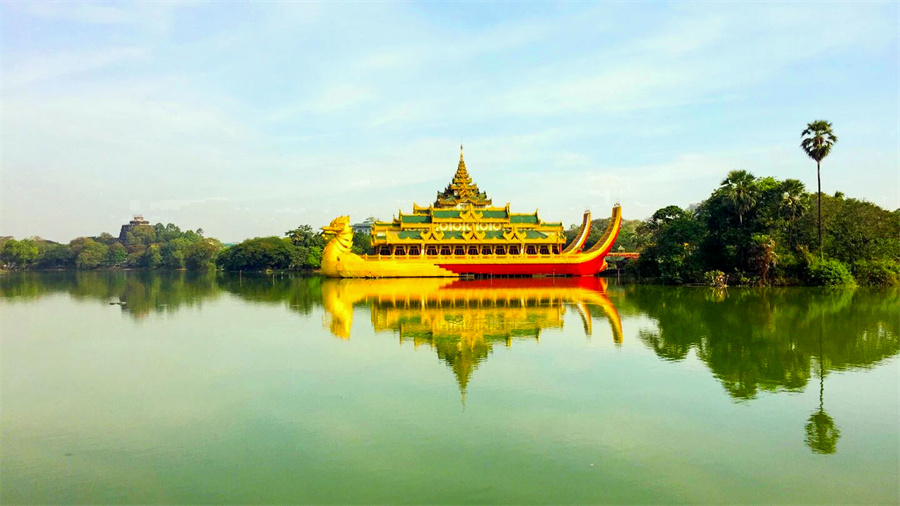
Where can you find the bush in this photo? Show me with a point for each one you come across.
(715, 278)
(258, 254)
(877, 273)
(828, 273)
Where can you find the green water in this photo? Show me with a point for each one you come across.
(262, 389)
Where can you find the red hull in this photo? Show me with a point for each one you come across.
(588, 268)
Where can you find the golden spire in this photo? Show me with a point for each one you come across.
(461, 189)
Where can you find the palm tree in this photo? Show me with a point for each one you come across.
(794, 202)
(739, 192)
(817, 142)
(764, 256)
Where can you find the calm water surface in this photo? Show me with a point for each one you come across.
(221, 388)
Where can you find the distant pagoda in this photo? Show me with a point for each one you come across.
(128, 227)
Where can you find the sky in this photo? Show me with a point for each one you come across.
(250, 119)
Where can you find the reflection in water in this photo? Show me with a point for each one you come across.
(821, 432)
(462, 320)
(766, 339)
(755, 340)
(137, 293)
(140, 293)
(750, 340)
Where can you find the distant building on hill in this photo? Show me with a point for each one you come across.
(137, 221)
(365, 227)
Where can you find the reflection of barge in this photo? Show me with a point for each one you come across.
(500, 307)
(462, 233)
(463, 320)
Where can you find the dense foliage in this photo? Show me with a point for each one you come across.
(168, 247)
(765, 231)
(149, 246)
(300, 249)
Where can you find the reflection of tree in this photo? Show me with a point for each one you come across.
(821, 432)
(143, 292)
(139, 292)
(299, 293)
(765, 339)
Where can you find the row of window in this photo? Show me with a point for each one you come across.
(460, 250)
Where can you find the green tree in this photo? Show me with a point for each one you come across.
(53, 255)
(91, 254)
(259, 253)
(305, 236)
(19, 254)
(362, 243)
(764, 256)
(672, 255)
(105, 238)
(817, 142)
(150, 258)
(201, 256)
(740, 192)
(794, 202)
(173, 253)
(139, 238)
(116, 255)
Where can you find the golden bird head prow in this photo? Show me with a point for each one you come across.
(338, 225)
(338, 234)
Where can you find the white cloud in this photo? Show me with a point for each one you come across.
(31, 69)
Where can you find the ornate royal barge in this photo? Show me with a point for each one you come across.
(462, 234)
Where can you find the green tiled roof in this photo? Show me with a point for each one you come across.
(523, 218)
(415, 218)
(493, 234)
(409, 234)
(446, 214)
(534, 234)
(453, 235)
(493, 214)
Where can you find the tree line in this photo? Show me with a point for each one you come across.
(759, 230)
(168, 247)
(146, 246)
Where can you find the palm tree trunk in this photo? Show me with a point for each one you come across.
(819, 198)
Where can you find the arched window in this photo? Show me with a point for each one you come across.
(501, 250)
(445, 250)
(530, 250)
(514, 250)
(384, 250)
(473, 250)
(431, 250)
(485, 250)
(414, 251)
(545, 250)
(459, 251)
(400, 250)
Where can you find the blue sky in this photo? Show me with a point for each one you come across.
(248, 119)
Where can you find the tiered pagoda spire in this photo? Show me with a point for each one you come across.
(461, 189)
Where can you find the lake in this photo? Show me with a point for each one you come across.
(228, 388)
